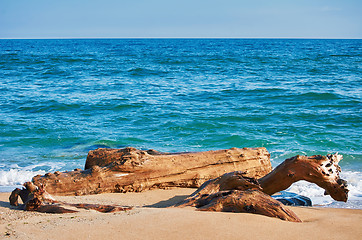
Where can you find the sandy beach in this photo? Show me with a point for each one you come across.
(152, 218)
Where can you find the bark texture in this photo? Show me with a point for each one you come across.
(129, 170)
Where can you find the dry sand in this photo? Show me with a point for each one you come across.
(151, 219)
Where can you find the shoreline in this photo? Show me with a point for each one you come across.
(153, 218)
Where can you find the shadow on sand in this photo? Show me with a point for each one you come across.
(169, 202)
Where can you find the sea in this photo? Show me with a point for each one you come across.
(61, 98)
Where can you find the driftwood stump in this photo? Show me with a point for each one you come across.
(232, 192)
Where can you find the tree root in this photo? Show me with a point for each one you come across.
(37, 199)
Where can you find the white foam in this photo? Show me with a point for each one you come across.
(17, 175)
(14, 177)
(316, 194)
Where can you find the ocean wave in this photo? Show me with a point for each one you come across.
(320, 96)
(140, 72)
(316, 194)
(48, 106)
(254, 90)
(172, 61)
(15, 177)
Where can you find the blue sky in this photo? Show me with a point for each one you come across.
(184, 18)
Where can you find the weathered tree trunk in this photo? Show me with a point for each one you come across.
(129, 169)
(321, 170)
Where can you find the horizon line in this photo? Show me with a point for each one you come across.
(74, 38)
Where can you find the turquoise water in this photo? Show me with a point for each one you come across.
(61, 98)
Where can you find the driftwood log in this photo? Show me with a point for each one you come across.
(129, 169)
(132, 170)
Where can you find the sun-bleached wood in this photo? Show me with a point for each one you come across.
(133, 170)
